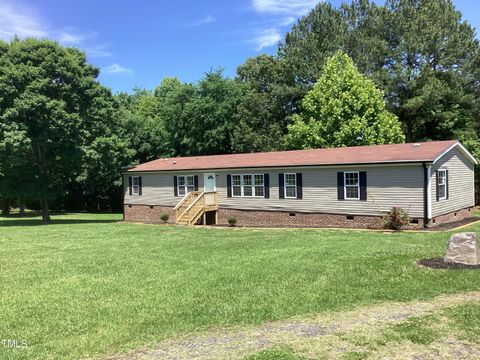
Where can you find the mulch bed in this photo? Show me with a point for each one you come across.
(439, 263)
(454, 224)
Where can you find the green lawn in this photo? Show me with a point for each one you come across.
(443, 329)
(87, 285)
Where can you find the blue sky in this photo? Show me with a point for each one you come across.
(137, 43)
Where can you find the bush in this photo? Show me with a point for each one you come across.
(396, 219)
(164, 217)
(232, 221)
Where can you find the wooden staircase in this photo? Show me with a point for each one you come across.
(193, 206)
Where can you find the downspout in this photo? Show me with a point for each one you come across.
(426, 180)
(124, 172)
(123, 196)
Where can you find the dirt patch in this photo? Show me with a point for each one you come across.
(314, 336)
(439, 263)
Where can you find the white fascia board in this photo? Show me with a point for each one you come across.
(463, 149)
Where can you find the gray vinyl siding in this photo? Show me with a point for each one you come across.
(461, 193)
(157, 189)
(387, 186)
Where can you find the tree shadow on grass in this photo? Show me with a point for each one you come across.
(32, 219)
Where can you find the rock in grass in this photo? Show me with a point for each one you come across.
(463, 248)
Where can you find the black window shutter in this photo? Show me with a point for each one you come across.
(129, 185)
(139, 185)
(229, 185)
(437, 186)
(363, 185)
(175, 189)
(340, 186)
(195, 182)
(266, 183)
(299, 186)
(281, 186)
(446, 184)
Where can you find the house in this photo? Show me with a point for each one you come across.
(342, 187)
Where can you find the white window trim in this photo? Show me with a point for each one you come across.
(253, 186)
(285, 186)
(186, 184)
(242, 193)
(444, 171)
(345, 185)
(137, 187)
(241, 187)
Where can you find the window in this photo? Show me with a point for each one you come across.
(248, 185)
(236, 185)
(185, 184)
(291, 185)
(352, 185)
(259, 185)
(190, 184)
(135, 185)
(442, 184)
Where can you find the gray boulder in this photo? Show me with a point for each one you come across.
(463, 248)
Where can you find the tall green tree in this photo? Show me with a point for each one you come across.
(314, 38)
(211, 115)
(174, 99)
(432, 65)
(270, 97)
(343, 109)
(51, 108)
(139, 115)
(198, 119)
(421, 53)
(105, 151)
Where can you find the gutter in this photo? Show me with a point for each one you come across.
(299, 166)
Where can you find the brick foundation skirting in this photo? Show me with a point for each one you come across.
(263, 218)
(451, 217)
(148, 213)
(260, 218)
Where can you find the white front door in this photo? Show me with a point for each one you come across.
(209, 182)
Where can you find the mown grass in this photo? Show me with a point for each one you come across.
(276, 354)
(463, 322)
(432, 333)
(89, 286)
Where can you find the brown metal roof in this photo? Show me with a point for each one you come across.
(395, 153)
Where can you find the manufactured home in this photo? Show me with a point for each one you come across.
(338, 187)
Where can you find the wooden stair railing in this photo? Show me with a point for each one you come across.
(194, 205)
(185, 203)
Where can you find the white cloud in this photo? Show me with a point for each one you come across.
(267, 38)
(287, 21)
(71, 36)
(117, 69)
(21, 21)
(207, 19)
(290, 7)
(281, 13)
(98, 51)
(16, 19)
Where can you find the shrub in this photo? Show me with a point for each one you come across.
(396, 219)
(232, 221)
(164, 217)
